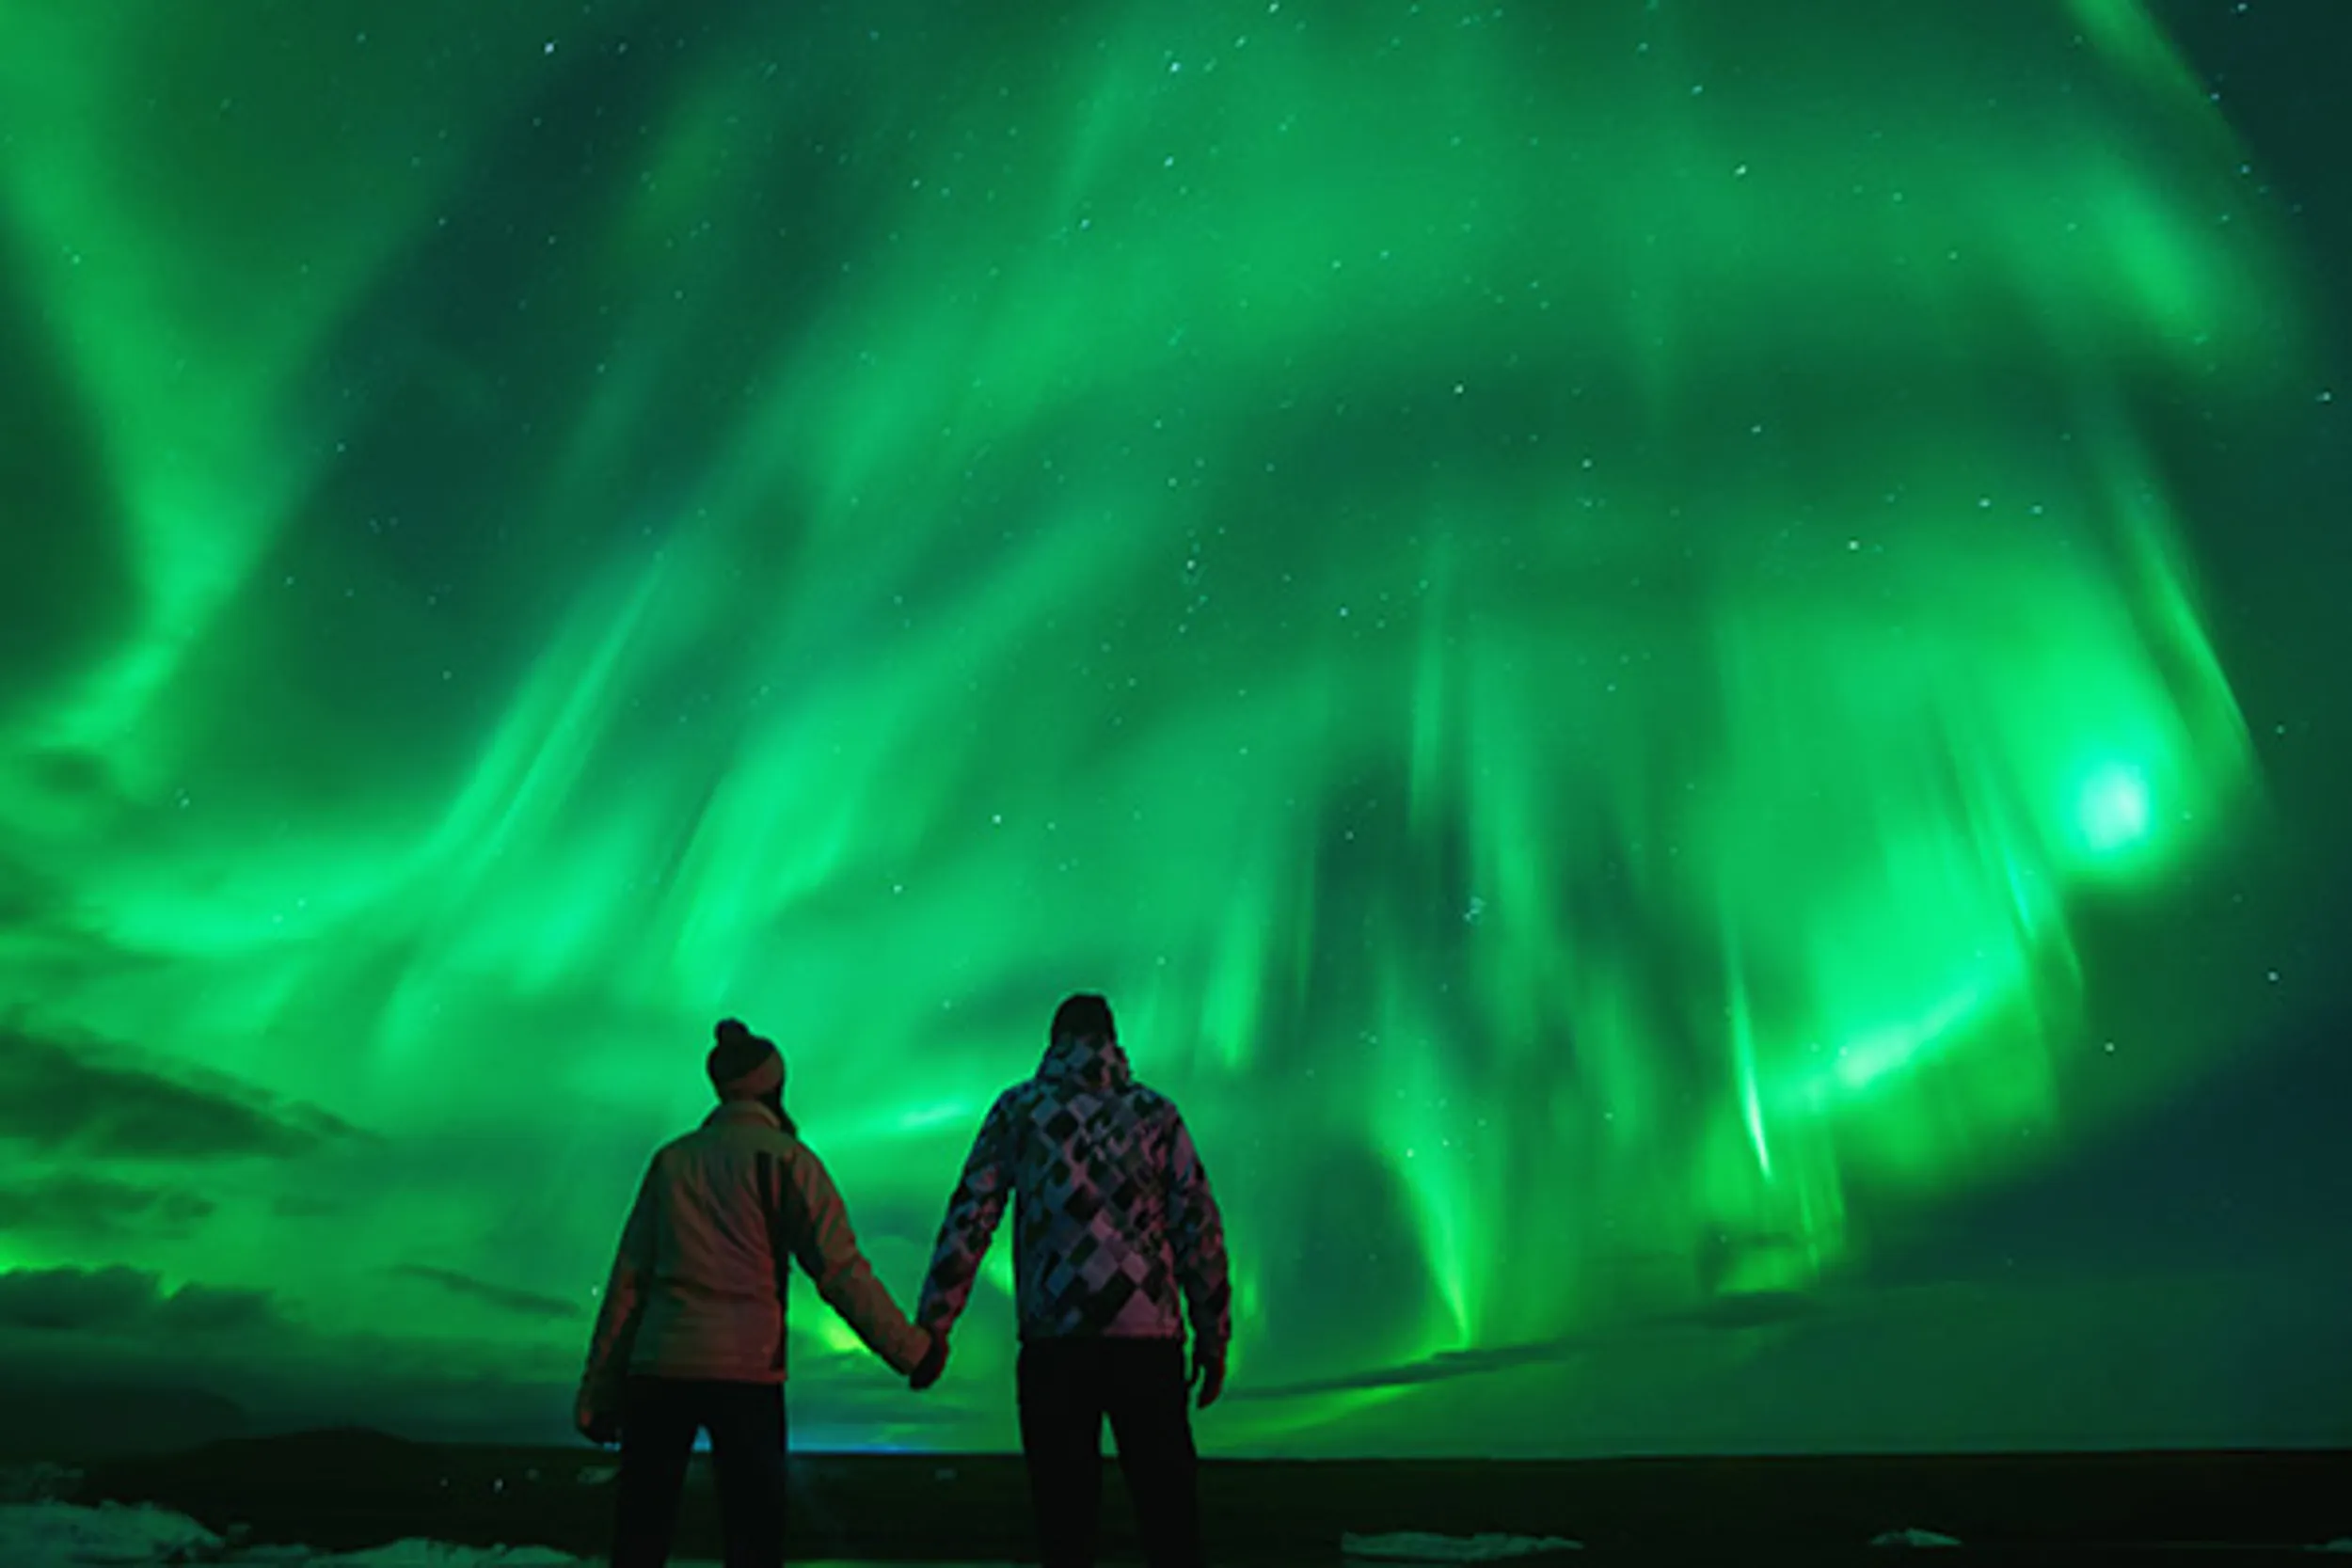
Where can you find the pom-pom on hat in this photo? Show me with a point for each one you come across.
(742, 1065)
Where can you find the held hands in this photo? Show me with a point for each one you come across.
(927, 1371)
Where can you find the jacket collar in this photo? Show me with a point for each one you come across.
(1094, 1064)
(742, 1113)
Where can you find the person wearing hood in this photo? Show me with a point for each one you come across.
(1116, 1237)
(692, 1333)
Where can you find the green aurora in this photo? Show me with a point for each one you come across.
(1578, 610)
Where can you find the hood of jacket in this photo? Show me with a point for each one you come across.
(1094, 1064)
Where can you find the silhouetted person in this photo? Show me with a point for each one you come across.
(1113, 1219)
(692, 1335)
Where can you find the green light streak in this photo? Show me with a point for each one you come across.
(1566, 609)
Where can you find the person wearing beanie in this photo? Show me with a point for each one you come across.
(692, 1334)
(1117, 1240)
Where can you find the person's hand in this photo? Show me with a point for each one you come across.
(1207, 1374)
(927, 1370)
(600, 1426)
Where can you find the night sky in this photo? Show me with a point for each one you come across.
(1683, 670)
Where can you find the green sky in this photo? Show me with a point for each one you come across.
(1590, 616)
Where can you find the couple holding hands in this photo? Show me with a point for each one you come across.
(1116, 1238)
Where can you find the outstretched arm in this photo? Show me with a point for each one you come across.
(973, 1211)
(818, 1227)
(624, 1307)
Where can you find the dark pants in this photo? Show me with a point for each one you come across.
(660, 1416)
(1066, 1388)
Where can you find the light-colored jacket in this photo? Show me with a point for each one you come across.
(699, 1285)
(1116, 1232)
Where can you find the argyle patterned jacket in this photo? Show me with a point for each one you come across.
(1113, 1215)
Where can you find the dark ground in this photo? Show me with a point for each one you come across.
(344, 1491)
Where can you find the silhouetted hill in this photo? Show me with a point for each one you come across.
(351, 1451)
(78, 1421)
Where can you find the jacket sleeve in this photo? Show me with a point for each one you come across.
(624, 1308)
(817, 1223)
(973, 1210)
(1198, 1232)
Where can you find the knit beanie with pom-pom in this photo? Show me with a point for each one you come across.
(742, 1065)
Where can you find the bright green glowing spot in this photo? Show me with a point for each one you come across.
(1873, 1058)
(2114, 809)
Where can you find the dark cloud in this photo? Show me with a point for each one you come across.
(216, 1310)
(81, 1099)
(1434, 1368)
(126, 1300)
(94, 1208)
(528, 1303)
(69, 1299)
(1750, 1309)
(45, 929)
(1730, 1314)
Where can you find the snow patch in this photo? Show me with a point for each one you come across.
(436, 1554)
(1913, 1537)
(1413, 1547)
(43, 1534)
(59, 1535)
